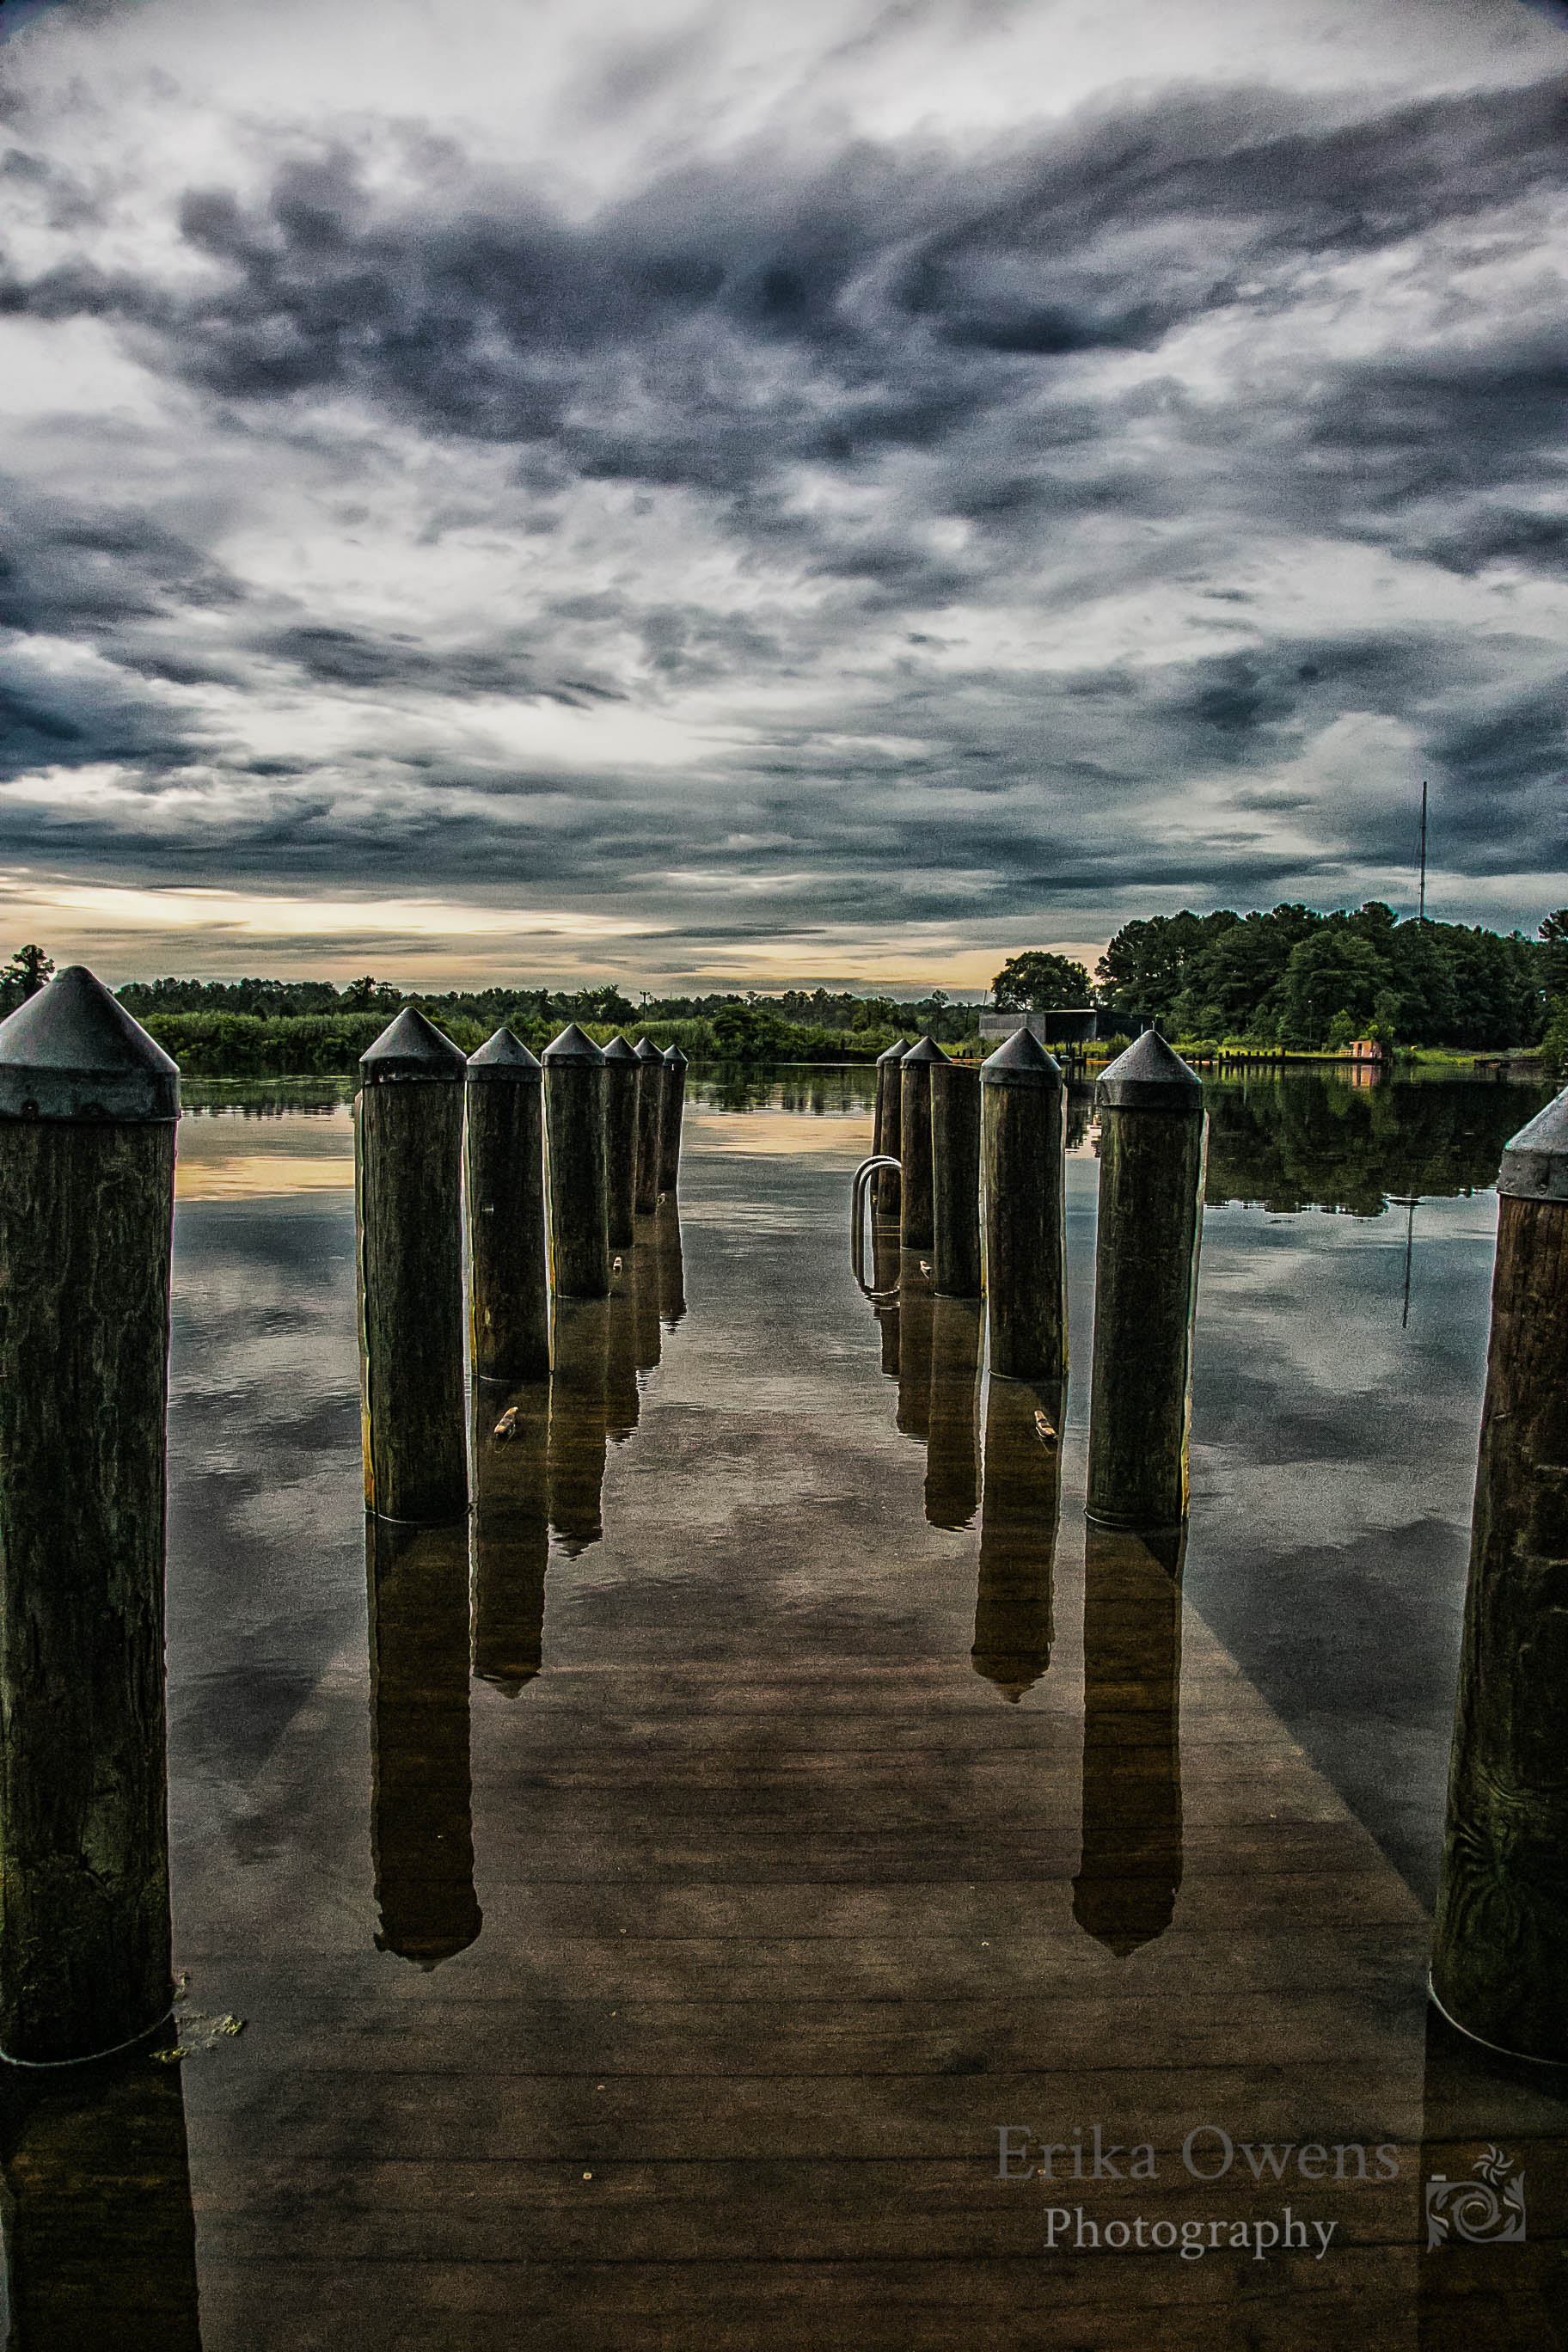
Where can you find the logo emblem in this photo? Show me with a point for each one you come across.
(1488, 2211)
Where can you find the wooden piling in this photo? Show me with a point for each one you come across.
(422, 1833)
(409, 1137)
(574, 1138)
(1154, 1136)
(1023, 1197)
(671, 1110)
(955, 1180)
(914, 1143)
(886, 1127)
(508, 1293)
(1499, 1967)
(650, 1097)
(88, 1107)
(512, 1532)
(622, 1087)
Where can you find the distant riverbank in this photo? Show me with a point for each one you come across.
(242, 1046)
(247, 1046)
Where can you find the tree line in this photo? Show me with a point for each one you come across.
(1305, 981)
(1292, 977)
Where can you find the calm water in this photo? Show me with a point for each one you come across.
(816, 1803)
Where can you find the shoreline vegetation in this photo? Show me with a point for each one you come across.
(240, 1045)
(1290, 987)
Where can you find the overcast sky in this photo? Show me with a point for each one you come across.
(771, 495)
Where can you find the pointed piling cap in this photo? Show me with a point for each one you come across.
(1022, 1061)
(573, 1045)
(1149, 1077)
(617, 1050)
(73, 1052)
(927, 1050)
(647, 1051)
(411, 1048)
(505, 1058)
(895, 1053)
(674, 1059)
(1534, 1161)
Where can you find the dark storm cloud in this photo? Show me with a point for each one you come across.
(761, 317)
(919, 332)
(1502, 534)
(70, 570)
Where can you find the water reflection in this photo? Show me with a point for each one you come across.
(1131, 1867)
(669, 1263)
(101, 2242)
(885, 1259)
(422, 1840)
(622, 1395)
(1304, 1141)
(510, 1531)
(916, 1302)
(646, 1340)
(1490, 2273)
(822, 1091)
(1019, 1507)
(953, 1417)
(579, 1421)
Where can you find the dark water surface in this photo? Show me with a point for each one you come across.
(644, 1916)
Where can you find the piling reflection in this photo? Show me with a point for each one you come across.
(1493, 2144)
(646, 1335)
(916, 1302)
(101, 2246)
(1019, 1508)
(669, 1263)
(422, 1840)
(510, 1531)
(622, 1396)
(579, 1421)
(953, 1424)
(885, 1256)
(1131, 1867)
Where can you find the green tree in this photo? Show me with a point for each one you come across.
(370, 995)
(1421, 973)
(1150, 964)
(1038, 981)
(749, 1033)
(604, 1004)
(1237, 974)
(876, 1013)
(29, 968)
(1555, 932)
(1335, 970)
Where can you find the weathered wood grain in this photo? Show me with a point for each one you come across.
(509, 1317)
(1146, 1271)
(1500, 1953)
(1023, 1144)
(955, 1180)
(86, 1216)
